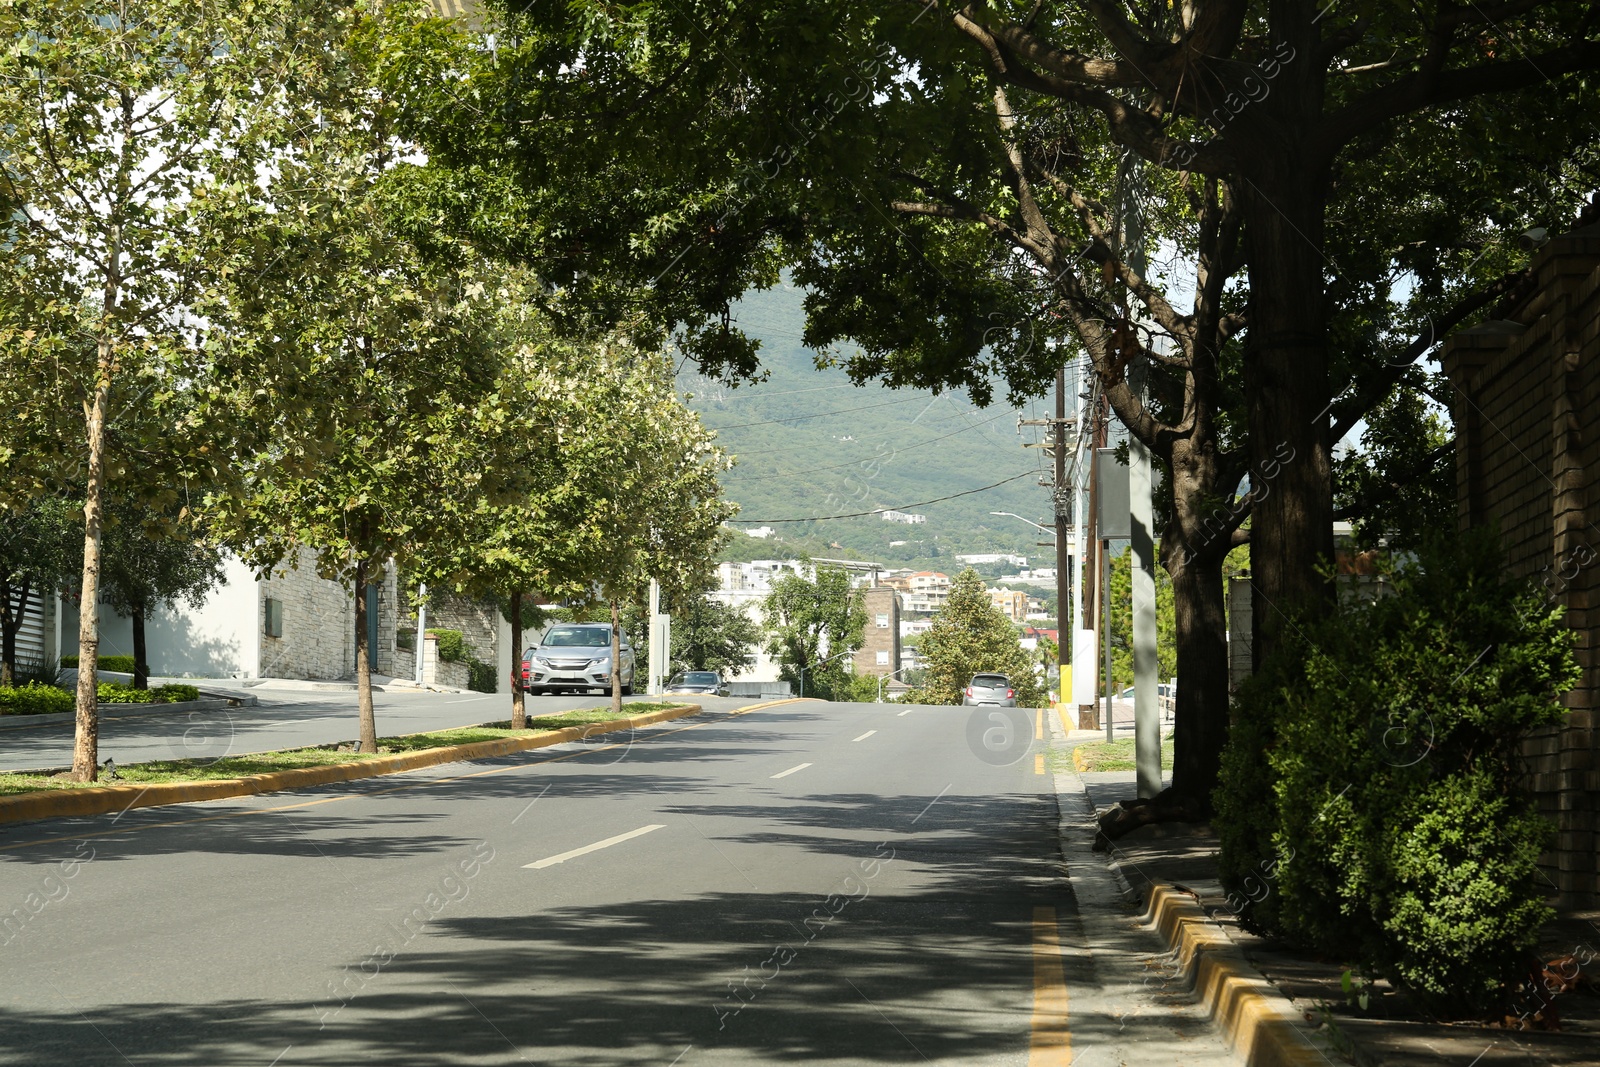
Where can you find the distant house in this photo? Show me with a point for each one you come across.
(927, 592)
(979, 559)
(1013, 603)
(763, 532)
(901, 516)
(1526, 390)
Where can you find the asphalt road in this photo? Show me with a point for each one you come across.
(283, 719)
(806, 883)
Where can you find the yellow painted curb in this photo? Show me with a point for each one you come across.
(59, 803)
(1245, 1005)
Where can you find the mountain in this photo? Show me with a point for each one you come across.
(811, 444)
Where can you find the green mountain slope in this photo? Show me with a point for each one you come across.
(811, 444)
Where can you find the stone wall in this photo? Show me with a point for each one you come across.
(319, 623)
(1527, 389)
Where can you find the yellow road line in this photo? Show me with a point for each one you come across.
(1038, 763)
(586, 751)
(1051, 1044)
(1038, 724)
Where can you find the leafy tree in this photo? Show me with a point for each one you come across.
(1400, 486)
(708, 635)
(812, 626)
(135, 144)
(384, 345)
(1301, 158)
(152, 562)
(38, 557)
(972, 636)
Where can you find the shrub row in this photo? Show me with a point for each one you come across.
(1372, 806)
(35, 698)
(120, 664)
(120, 693)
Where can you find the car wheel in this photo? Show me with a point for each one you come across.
(627, 690)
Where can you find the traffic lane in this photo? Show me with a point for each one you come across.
(276, 723)
(593, 960)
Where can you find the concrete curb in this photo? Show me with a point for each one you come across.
(61, 803)
(107, 711)
(1257, 1020)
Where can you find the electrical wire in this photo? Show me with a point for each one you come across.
(896, 452)
(880, 511)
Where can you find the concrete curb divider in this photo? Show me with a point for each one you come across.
(1254, 1017)
(102, 800)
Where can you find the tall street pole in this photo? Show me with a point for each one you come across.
(1063, 507)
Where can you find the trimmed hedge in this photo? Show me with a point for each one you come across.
(119, 664)
(119, 693)
(452, 646)
(1371, 804)
(35, 698)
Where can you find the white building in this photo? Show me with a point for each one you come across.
(976, 559)
(762, 532)
(905, 517)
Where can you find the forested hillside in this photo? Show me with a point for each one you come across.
(811, 444)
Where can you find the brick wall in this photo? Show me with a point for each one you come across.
(884, 601)
(1526, 390)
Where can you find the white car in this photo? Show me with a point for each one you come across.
(577, 657)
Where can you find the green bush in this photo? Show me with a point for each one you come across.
(481, 677)
(1371, 803)
(120, 664)
(35, 699)
(119, 693)
(452, 645)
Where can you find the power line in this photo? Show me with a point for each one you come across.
(881, 433)
(880, 511)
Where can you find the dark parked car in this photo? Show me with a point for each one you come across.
(575, 656)
(993, 689)
(701, 683)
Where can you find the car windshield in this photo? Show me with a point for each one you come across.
(695, 678)
(577, 637)
(991, 680)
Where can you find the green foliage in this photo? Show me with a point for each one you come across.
(41, 549)
(812, 626)
(1122, 622)
(34, 698)
(117, 664)
(452, 645)
(1400, 485)
(151, 560)
(118, 693)
(971, 636)
(1390, 804)
(482, 677)
(708, 635)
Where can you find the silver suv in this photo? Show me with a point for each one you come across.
(575, 656)
(992, 689)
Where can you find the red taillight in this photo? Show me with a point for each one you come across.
(1010, 693)
(969, 690)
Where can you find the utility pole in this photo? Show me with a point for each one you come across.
(1062, 498)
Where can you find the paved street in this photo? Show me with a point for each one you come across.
(806, 883)
(285, 718)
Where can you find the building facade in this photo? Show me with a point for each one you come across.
(880, 646)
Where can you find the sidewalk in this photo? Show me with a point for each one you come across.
(1389, 1033)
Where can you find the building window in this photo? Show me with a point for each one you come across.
(883, 659)
(274, 621)
(883, 622)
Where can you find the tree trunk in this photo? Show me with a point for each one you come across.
(1286, 355)
(86, 743)
(369, 722)
(616, 661)
(11, 616)
(141, 666)
(519, 701)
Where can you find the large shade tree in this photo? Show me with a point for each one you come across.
(137, 148)
(1000, 174)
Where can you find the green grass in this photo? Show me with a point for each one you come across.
(1115, 756)
(160, 771)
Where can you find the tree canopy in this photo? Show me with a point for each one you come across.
(971, 636)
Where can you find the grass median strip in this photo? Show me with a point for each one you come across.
(241, 766)
(1113, 756)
